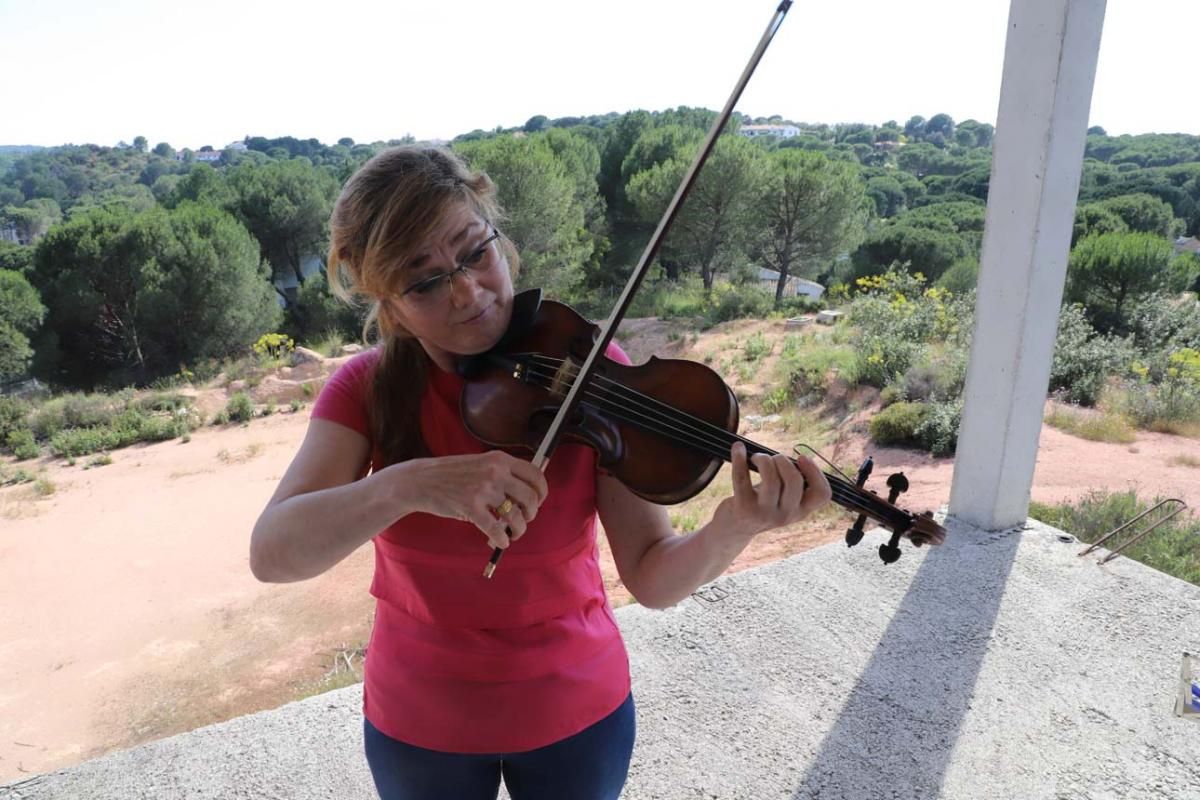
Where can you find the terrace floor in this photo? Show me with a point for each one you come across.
(1001, 665)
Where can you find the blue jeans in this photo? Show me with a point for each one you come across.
(591, 765)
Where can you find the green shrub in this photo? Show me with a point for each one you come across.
(680, 299)
(20, 442)
(1170, 548)
(273, 345)
(938, 430)
(14, 415)
(1083, 359)
(240, 408)
(810, 371)
(895, 319)
(898, 424)
(77, 410)
(776, 400)
(757, 347)
(1171, 406)
(738, 302)
(75, 442)
(883, 359)
(9, 477)
(329, 344)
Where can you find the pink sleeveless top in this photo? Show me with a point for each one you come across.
(462, 664)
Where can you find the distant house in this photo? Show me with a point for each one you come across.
(793, 287)
(206, 156)
(782, 131)
(10, 233)
(287, 287)
(1187, 244)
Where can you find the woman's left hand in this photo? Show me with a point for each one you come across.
(780, 498)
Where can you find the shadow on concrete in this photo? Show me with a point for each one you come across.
(895, 734)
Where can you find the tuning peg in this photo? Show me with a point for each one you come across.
(854, 534)
(898, 485)
(890, 553)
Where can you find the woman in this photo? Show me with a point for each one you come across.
(468, 680)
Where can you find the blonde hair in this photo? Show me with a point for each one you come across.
(388, 209)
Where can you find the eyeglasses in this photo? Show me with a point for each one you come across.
(437, 287)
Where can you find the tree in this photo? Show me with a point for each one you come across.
(1145, 213)
(1185, 273)
(941, 126)
(212, 295)
(133, 296)
(1093, 218)
(915, 127)
(21, 312)
(544, 217)
(536, 123)
(15, 257)
(140, 144)
(714, 226)
(810, 210)
(887, 194)
(286, 205)
(163, 149)
(90, 271)
(1108, 269)
(931, 239)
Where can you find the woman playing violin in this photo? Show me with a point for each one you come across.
(523, 677)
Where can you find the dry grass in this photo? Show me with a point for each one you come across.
(252, 450)
(1093, 426)
(1184, 461)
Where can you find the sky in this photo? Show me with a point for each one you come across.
(78, 71)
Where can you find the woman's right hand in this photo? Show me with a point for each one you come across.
(472, 487)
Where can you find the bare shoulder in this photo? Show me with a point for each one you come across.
(330, 455)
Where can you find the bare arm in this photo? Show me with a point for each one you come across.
(321, 512)
(661, 568)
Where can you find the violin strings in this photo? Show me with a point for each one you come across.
(849, 498)
(715, 443)
(706, 437)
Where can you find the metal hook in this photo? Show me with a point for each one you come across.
(1115, 531)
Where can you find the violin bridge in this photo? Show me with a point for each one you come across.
(563, 377)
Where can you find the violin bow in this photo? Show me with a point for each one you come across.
(584, 374)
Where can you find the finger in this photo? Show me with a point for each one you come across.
(769, 487)
(793, 486)
(818, 491)
(524, 497)
(532, 477)
(511, 515)
(494, 528)
(742, 488)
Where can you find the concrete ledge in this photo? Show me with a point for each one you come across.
(1001, 665)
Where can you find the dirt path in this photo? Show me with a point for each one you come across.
(128, 613)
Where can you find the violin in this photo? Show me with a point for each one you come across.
(662, 428)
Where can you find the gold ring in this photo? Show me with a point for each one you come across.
(505, 507)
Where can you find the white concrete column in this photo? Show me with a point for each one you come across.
(1037, 155)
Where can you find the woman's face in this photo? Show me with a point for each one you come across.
(455, 292)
